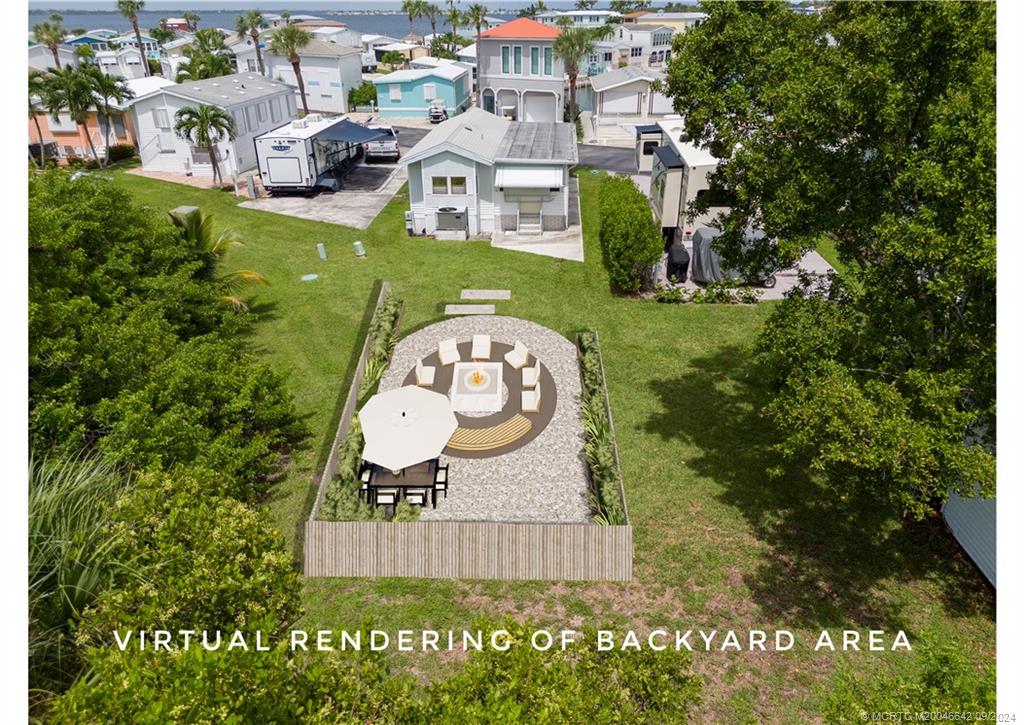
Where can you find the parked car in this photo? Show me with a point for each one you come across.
(437, 112)
(385, 148)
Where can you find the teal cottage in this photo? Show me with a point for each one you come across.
(409, 93)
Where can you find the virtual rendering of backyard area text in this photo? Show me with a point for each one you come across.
(670, 320)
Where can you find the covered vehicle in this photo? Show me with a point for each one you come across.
(706, 265)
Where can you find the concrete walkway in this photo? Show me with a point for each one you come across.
(567, 244)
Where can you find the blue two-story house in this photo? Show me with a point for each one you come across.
(410, 93)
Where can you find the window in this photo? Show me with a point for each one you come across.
(275, 110)
(458, 184)
(649, 146)
(636, 52)
(117, 124)
(439, 184)
(252, 65)
(607, 57)
(429, 91)
(592, 58)
(395, 92)
(549, 57)
(534, 61)
(504, 59)
(517, 60)
(160, 119)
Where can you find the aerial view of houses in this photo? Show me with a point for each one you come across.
(419, 362)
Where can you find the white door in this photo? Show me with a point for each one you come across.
(539, 107)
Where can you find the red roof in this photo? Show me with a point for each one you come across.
(522, 28)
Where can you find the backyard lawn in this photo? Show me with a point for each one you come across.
(719, 543)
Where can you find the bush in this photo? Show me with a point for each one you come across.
(121, 151)
(727, 291)
(942, 679)
(364, 95)
(629, 235)
(197, 562)
(383, 335)
(599, 446)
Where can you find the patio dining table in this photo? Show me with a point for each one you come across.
(420, 475)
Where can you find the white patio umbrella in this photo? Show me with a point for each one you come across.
(406, 426)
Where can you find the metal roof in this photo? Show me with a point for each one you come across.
(621, 76)
(668, 157)
(229, 90)
(475, 132)
(326, 49)
(529, 141)
(448, 71)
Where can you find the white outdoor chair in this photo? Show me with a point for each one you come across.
(531, 376)
(531, 400)
(417, 496)
(386, 496)
(517, 356)
(448, 351)
(424, 374)
(481, 347)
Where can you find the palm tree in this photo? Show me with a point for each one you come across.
(36, 91)
(412, 9)
(392, 58)
(131, 9)
(51, 34)
(197, 229)
(430, 12)
(585, 4)
(208, 57)
(71, 90)
(107, 88)
(84, 53)
(250, 23)
(475, 15)
(571, 47)
(191, 20)
(162, 34)
(204, 126)
(454, 18)
(287, 42)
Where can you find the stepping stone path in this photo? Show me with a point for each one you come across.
(486, 294)
(469, 309)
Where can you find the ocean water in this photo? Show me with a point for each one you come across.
(383, 18)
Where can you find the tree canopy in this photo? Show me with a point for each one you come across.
(873, 125)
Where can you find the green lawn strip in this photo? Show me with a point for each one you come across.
(717, 541)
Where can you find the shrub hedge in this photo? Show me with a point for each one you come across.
(629, 235)
(599, 447)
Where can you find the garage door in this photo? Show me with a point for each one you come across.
(615, 101)
(539, 107)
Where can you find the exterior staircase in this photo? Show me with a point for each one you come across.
(529, 224)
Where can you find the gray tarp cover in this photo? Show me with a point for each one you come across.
(705, 264)
(346, 131)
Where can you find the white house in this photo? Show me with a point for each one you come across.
(477, 173)
(518, 73)
(257, 104)
(579, 18)
(39, 56)
(647, 44)
(329, 72)
(123, 63)
(626, 93)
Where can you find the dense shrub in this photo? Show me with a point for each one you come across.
(941, 679)
(629, 235)
(197, 561)
(364, 95)
(599, 447)
(383, 334)
(121, 151)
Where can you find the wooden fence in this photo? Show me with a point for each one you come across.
(345, 422)
(469, 550)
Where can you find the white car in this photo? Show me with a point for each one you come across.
(385, 148)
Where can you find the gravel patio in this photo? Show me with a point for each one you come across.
(545, 481)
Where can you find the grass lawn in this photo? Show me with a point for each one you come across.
(719, 543)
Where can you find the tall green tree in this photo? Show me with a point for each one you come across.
(131, 9)
(36, 93)
(71, 90)
(191, 20)
(108, 90)
(475, 16)
(51, 34)
(251, 23)
(162, 34)
(430, 12)
(872, 125)
(571, 46)
(412, 10)
(289, 42)
(204, 126)
(455, 18)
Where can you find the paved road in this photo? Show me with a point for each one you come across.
(609, 158)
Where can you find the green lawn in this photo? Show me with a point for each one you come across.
(718, 542)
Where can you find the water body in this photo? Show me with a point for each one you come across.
(383, 18)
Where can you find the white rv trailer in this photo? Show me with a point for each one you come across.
(309, 153)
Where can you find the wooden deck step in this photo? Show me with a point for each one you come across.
(469, 309)
(486, 294)
(496, 436)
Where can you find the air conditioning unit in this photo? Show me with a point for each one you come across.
(313, 118)
(299, 123)
(451, 219)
